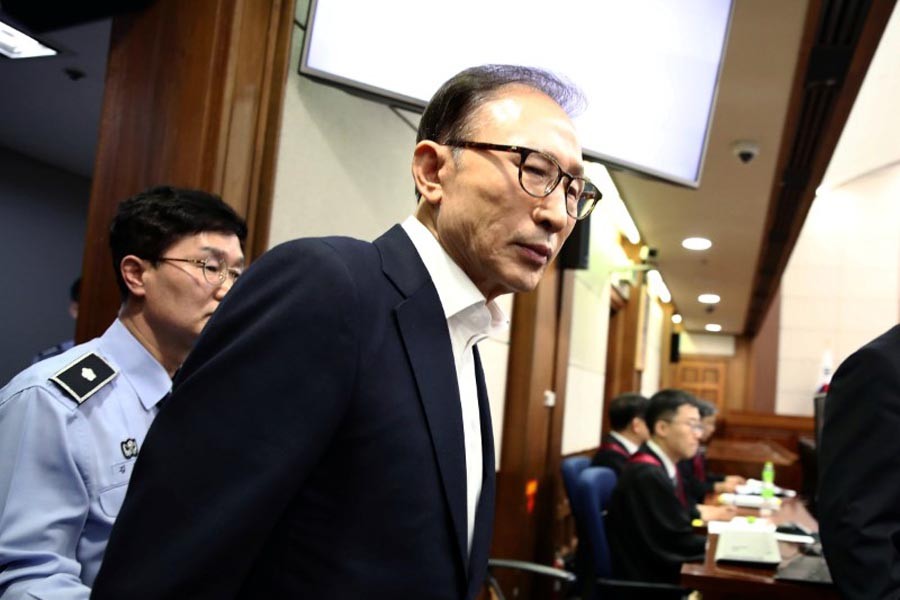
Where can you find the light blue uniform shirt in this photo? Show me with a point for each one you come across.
(64, 467)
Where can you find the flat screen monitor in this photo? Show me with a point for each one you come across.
(648, 68)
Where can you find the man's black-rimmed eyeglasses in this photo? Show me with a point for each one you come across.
(540, 173)
(215, 270)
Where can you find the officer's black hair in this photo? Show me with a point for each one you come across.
(624, 408)
(706, 408)
(75, 290)
(147, 224)
(664, 404)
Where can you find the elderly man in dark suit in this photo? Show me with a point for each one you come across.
(330, 435)
(859, 472)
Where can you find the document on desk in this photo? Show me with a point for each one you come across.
(754, 487)
(748, 500)
(753, 547)
(740, 524)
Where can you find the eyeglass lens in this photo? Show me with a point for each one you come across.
(540, 176)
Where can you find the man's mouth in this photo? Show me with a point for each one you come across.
(538, 252)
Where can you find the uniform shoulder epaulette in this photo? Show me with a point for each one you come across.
(84, 377)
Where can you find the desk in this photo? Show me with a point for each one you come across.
(746, 458)
(731, 581)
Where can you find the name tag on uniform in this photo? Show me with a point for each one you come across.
(122, 470)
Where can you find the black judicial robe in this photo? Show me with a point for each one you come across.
(698, 480)
(611, 454)
(649, 529)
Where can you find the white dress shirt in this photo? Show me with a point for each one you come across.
(630, 446)
(667, 462)
(469, 320)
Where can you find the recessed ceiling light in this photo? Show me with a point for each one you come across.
(708, 298)
(17, 44)
(676, 318)
(713, 327)
(696, 243)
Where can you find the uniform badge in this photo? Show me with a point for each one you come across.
(84, 377)
(129, 448)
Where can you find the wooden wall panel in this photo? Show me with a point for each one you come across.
(521, 522)
(193, 98)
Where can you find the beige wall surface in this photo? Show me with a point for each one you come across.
(841, 287)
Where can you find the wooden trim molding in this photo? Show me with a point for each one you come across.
(193, 98)
(838, 44)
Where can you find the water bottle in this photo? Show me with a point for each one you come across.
(768, 489)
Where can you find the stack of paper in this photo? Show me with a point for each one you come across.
(748, 500)
(755, 486)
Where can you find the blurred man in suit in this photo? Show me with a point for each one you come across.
(859, 466)
(628, 431)
(330, 437)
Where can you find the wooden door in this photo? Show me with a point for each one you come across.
(705, 377)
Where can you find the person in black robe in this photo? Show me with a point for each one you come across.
(629, 431)
(649, 514)
(699, 481)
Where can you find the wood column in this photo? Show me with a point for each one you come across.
(193, 98)
(532, 432)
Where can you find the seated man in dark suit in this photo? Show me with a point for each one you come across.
(649, 518)
(698, 479)
(629, 431)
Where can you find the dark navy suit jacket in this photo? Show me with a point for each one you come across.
(313, 446)
(859, 469)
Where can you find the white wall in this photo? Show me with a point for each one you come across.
(650, 376)
(586, 374)
(344, 169)
(841, 287)
(706, 344)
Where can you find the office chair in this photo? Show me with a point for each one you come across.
(594, 489)
(571, 468)
(564, 577)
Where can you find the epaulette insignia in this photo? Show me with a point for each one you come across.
(84, 377)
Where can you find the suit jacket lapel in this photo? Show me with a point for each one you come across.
(423, 329)
(484, 514)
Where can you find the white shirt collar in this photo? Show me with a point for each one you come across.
(454, 288)
(629, 445)
(667, 462)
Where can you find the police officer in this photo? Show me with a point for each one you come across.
(72, 425)
(74, 293)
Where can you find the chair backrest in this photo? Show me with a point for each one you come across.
(571, 468)
(594, 489)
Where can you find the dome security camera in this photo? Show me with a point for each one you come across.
(745, 150)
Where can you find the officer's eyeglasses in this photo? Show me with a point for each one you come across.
(540, 173)
(215, 270)
(695, 426)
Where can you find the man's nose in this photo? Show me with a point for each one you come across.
(551, 210)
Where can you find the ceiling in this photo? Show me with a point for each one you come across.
(51, 116)
(731, 204)
(55, 119)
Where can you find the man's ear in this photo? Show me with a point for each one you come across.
(428, 159)
(660, 428)
(133, 270)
